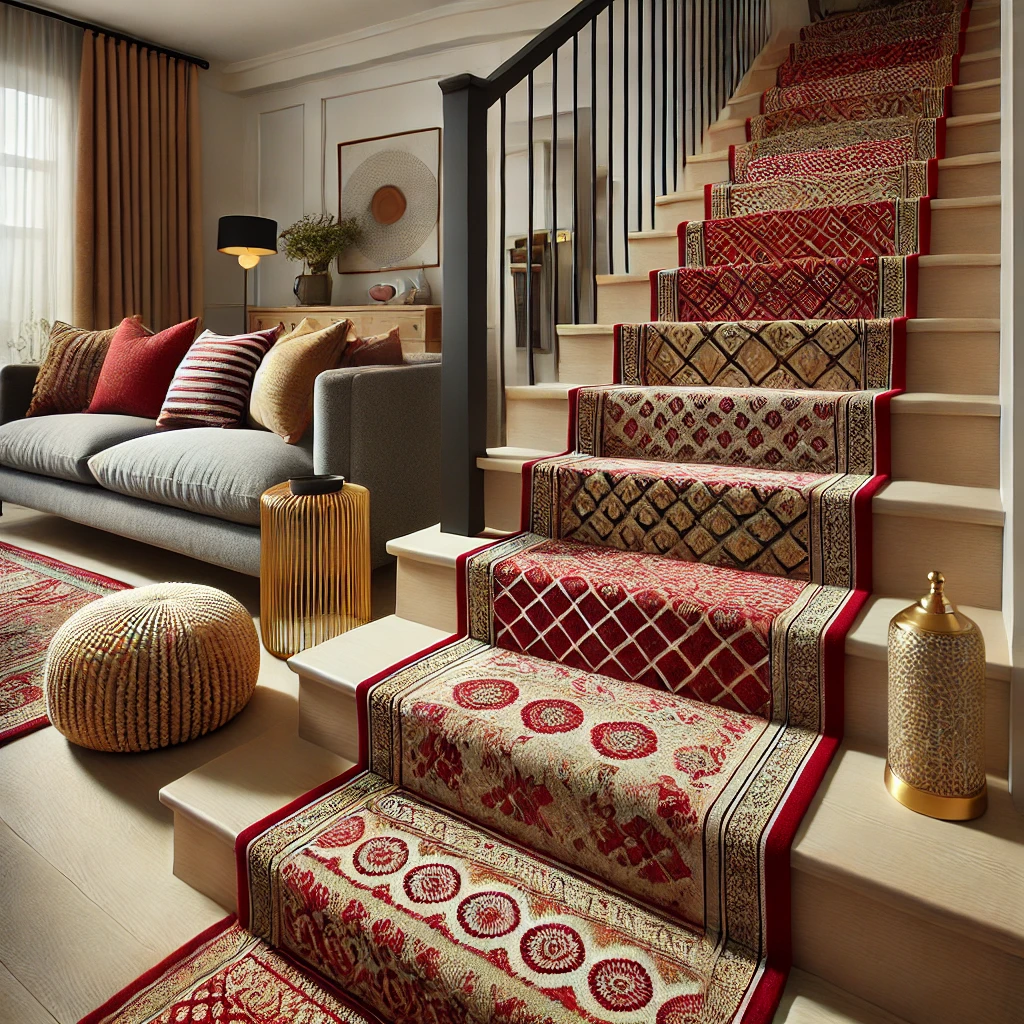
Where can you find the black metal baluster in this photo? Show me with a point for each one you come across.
(654, 115)
(625, 133)
(664, 98)
(705, 69)
(531, 374)
(691, 146)
(554, 205)
(593, 167)
(609, 228)
(639, 115)
(678, 101)
(501, 263)
(575, 179)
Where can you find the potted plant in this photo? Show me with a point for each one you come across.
(317, 240)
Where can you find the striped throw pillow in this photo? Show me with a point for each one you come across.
(212, 383)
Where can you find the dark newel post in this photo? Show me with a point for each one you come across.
(464, 316)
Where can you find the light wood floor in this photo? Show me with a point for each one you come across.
(87, 898)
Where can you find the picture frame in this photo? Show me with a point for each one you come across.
(396, 198)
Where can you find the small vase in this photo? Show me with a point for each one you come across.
(313, 289)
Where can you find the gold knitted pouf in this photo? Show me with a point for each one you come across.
(150, 667)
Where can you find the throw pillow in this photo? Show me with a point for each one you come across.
(212, 384)
(67, 378)
(282, 392)
(139, 368)
(379, 350)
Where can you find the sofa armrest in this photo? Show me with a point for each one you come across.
(16, 383)
(380, 426)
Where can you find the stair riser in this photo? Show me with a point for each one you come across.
(961, 140)
(954, 230)
(327, 714)
(667, 216)
(939, 362)
(865, 725)
(981, 37)
(968, 181)
(906, 549)
(895, 960)
(943, 291)
(932, 448)
(205, 860)
(979, 70)
(425, 592)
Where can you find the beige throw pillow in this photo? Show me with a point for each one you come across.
(282, 390)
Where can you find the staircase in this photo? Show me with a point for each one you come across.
(895, 917)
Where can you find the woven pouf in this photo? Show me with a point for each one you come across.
(150, 667)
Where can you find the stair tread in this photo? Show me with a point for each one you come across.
(346, 660)
(230, 792)
(922, 402)
(808, 999)
(925, 500)
(966, 876)
(432, 546)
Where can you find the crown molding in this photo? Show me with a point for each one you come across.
(450, 27)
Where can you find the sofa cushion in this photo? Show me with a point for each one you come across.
(61, 445)
(208, 470)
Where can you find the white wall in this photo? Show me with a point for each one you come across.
(272, 149)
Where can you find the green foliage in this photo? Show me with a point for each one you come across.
(317, 240)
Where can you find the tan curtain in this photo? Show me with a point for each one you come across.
(138, 201)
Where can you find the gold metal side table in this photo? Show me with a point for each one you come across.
(314, 562)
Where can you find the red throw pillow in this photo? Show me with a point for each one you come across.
(380, 350)
(139, 368)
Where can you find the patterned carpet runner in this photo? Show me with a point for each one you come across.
(37, 595)
(581, 808)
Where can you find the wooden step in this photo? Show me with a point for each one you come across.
(809, 1000)
(214, 803)
(952, 285)
(866, 678)
(949, 356)
(892, 905)
(968, 98)
(970, 133)
(958, 226)
(330, 673)
(943, 439)
(671, 209)
(916, 526)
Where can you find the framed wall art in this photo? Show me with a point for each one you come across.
(391, 185)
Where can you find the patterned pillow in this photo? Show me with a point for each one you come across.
(380, 350)
(139, 368)
(211, 386)
(67, 379)
(282, 391)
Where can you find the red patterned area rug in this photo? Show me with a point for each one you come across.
(37, 596)
(226, 975)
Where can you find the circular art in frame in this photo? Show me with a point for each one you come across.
(390, 186)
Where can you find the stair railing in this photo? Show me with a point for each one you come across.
(615, 96)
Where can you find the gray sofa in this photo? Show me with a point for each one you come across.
(197, 491)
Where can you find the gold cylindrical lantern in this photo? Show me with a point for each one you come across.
(314, 562)
(936, 762)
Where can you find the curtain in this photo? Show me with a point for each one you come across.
(138, 233)
(39, 66)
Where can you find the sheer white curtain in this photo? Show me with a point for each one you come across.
(39, 67)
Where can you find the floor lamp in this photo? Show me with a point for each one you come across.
(248, 238)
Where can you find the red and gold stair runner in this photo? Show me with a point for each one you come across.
(581, 808)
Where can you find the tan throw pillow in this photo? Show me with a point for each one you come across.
(67, 379)
(282, 390)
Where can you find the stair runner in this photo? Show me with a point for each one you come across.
(581, 807)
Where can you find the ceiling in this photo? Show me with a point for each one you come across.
(231, 30)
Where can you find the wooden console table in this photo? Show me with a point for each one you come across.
(418, 326)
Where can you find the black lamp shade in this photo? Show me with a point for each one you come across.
(240, 235)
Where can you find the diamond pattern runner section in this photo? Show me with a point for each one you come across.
(928, 134)
(806, 289)
(940, 73)
(488, 737)
(888, 228)
(906, 103)
(932, 27)
(910, 51)
(912, 180)
(754, 519)
(834, 355)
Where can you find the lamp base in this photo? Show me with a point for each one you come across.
(947, 808)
